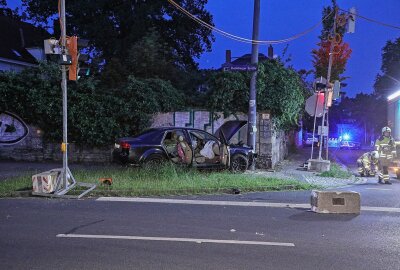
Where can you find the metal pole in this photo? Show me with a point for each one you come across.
(315, 120)
(64, 93)
(328, 78)
(252, 115)
(327, 135)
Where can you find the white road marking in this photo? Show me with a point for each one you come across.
(380, 209)
(386, 189)
(172, 239)
(233, 203)
(200, 202)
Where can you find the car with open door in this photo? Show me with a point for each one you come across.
(186, 146)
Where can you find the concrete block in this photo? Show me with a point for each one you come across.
(335, 202)
(319, 165)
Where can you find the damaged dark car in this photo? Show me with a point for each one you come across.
(188, 147)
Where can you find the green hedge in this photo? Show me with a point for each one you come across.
(96, 115)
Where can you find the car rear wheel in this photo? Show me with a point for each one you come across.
(154, 160)
(239, 163)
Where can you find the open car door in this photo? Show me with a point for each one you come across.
(224, 149)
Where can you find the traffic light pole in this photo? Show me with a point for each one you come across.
(64, 146)
(65, 180)
(252, 115)
(328, 78)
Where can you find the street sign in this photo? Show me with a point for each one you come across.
(240, 68)
(323, 130)
(336, 90)
(329, 99)
(316, 100)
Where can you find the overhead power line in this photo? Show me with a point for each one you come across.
(241, 39)
(372, 20)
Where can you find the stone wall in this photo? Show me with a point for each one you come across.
(32, 148)
(271, 145)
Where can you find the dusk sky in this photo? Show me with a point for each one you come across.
(284, 18)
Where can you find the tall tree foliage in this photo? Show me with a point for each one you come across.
(389, 79)
(321, 60)
(113, 27)
(280, 90)
(342, 50)
(368, 110)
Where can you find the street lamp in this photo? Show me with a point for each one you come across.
(394, 95)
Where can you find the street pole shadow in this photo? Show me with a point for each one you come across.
(83, 226)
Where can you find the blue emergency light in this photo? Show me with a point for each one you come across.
(346, 136)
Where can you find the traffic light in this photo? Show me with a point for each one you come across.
(319, 84)
(79, 66)
(351, 20)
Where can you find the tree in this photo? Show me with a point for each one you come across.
(342, 50)
(389, 79)
(114, 26)
(368, 111)
(321, 60)
(280, 90)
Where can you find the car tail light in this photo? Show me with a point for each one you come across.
(125, 145)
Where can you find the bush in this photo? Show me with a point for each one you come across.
(280, 90)
(96, 115)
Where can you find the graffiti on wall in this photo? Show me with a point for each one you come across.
(12, 129)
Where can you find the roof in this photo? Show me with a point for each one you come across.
(246, 59)
(16, 36)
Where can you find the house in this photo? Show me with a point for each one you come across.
(244, 60)
(21, 43)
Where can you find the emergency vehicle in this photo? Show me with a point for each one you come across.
(394, 124)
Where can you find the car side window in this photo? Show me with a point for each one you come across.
(170, 143)
(204, 145)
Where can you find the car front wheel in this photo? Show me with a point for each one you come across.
(239, 163)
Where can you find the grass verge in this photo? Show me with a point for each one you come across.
(164, 180)
(337, 172)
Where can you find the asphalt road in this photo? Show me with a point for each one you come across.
(372, 193)
(142, 235)
(28, 230)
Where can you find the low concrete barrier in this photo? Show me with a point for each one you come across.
(335, 202)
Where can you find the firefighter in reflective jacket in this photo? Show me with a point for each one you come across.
(368, 163)
(385, 146)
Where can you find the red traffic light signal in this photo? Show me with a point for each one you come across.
(73, 45)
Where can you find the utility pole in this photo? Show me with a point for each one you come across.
(252, 115)
(328, 78)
